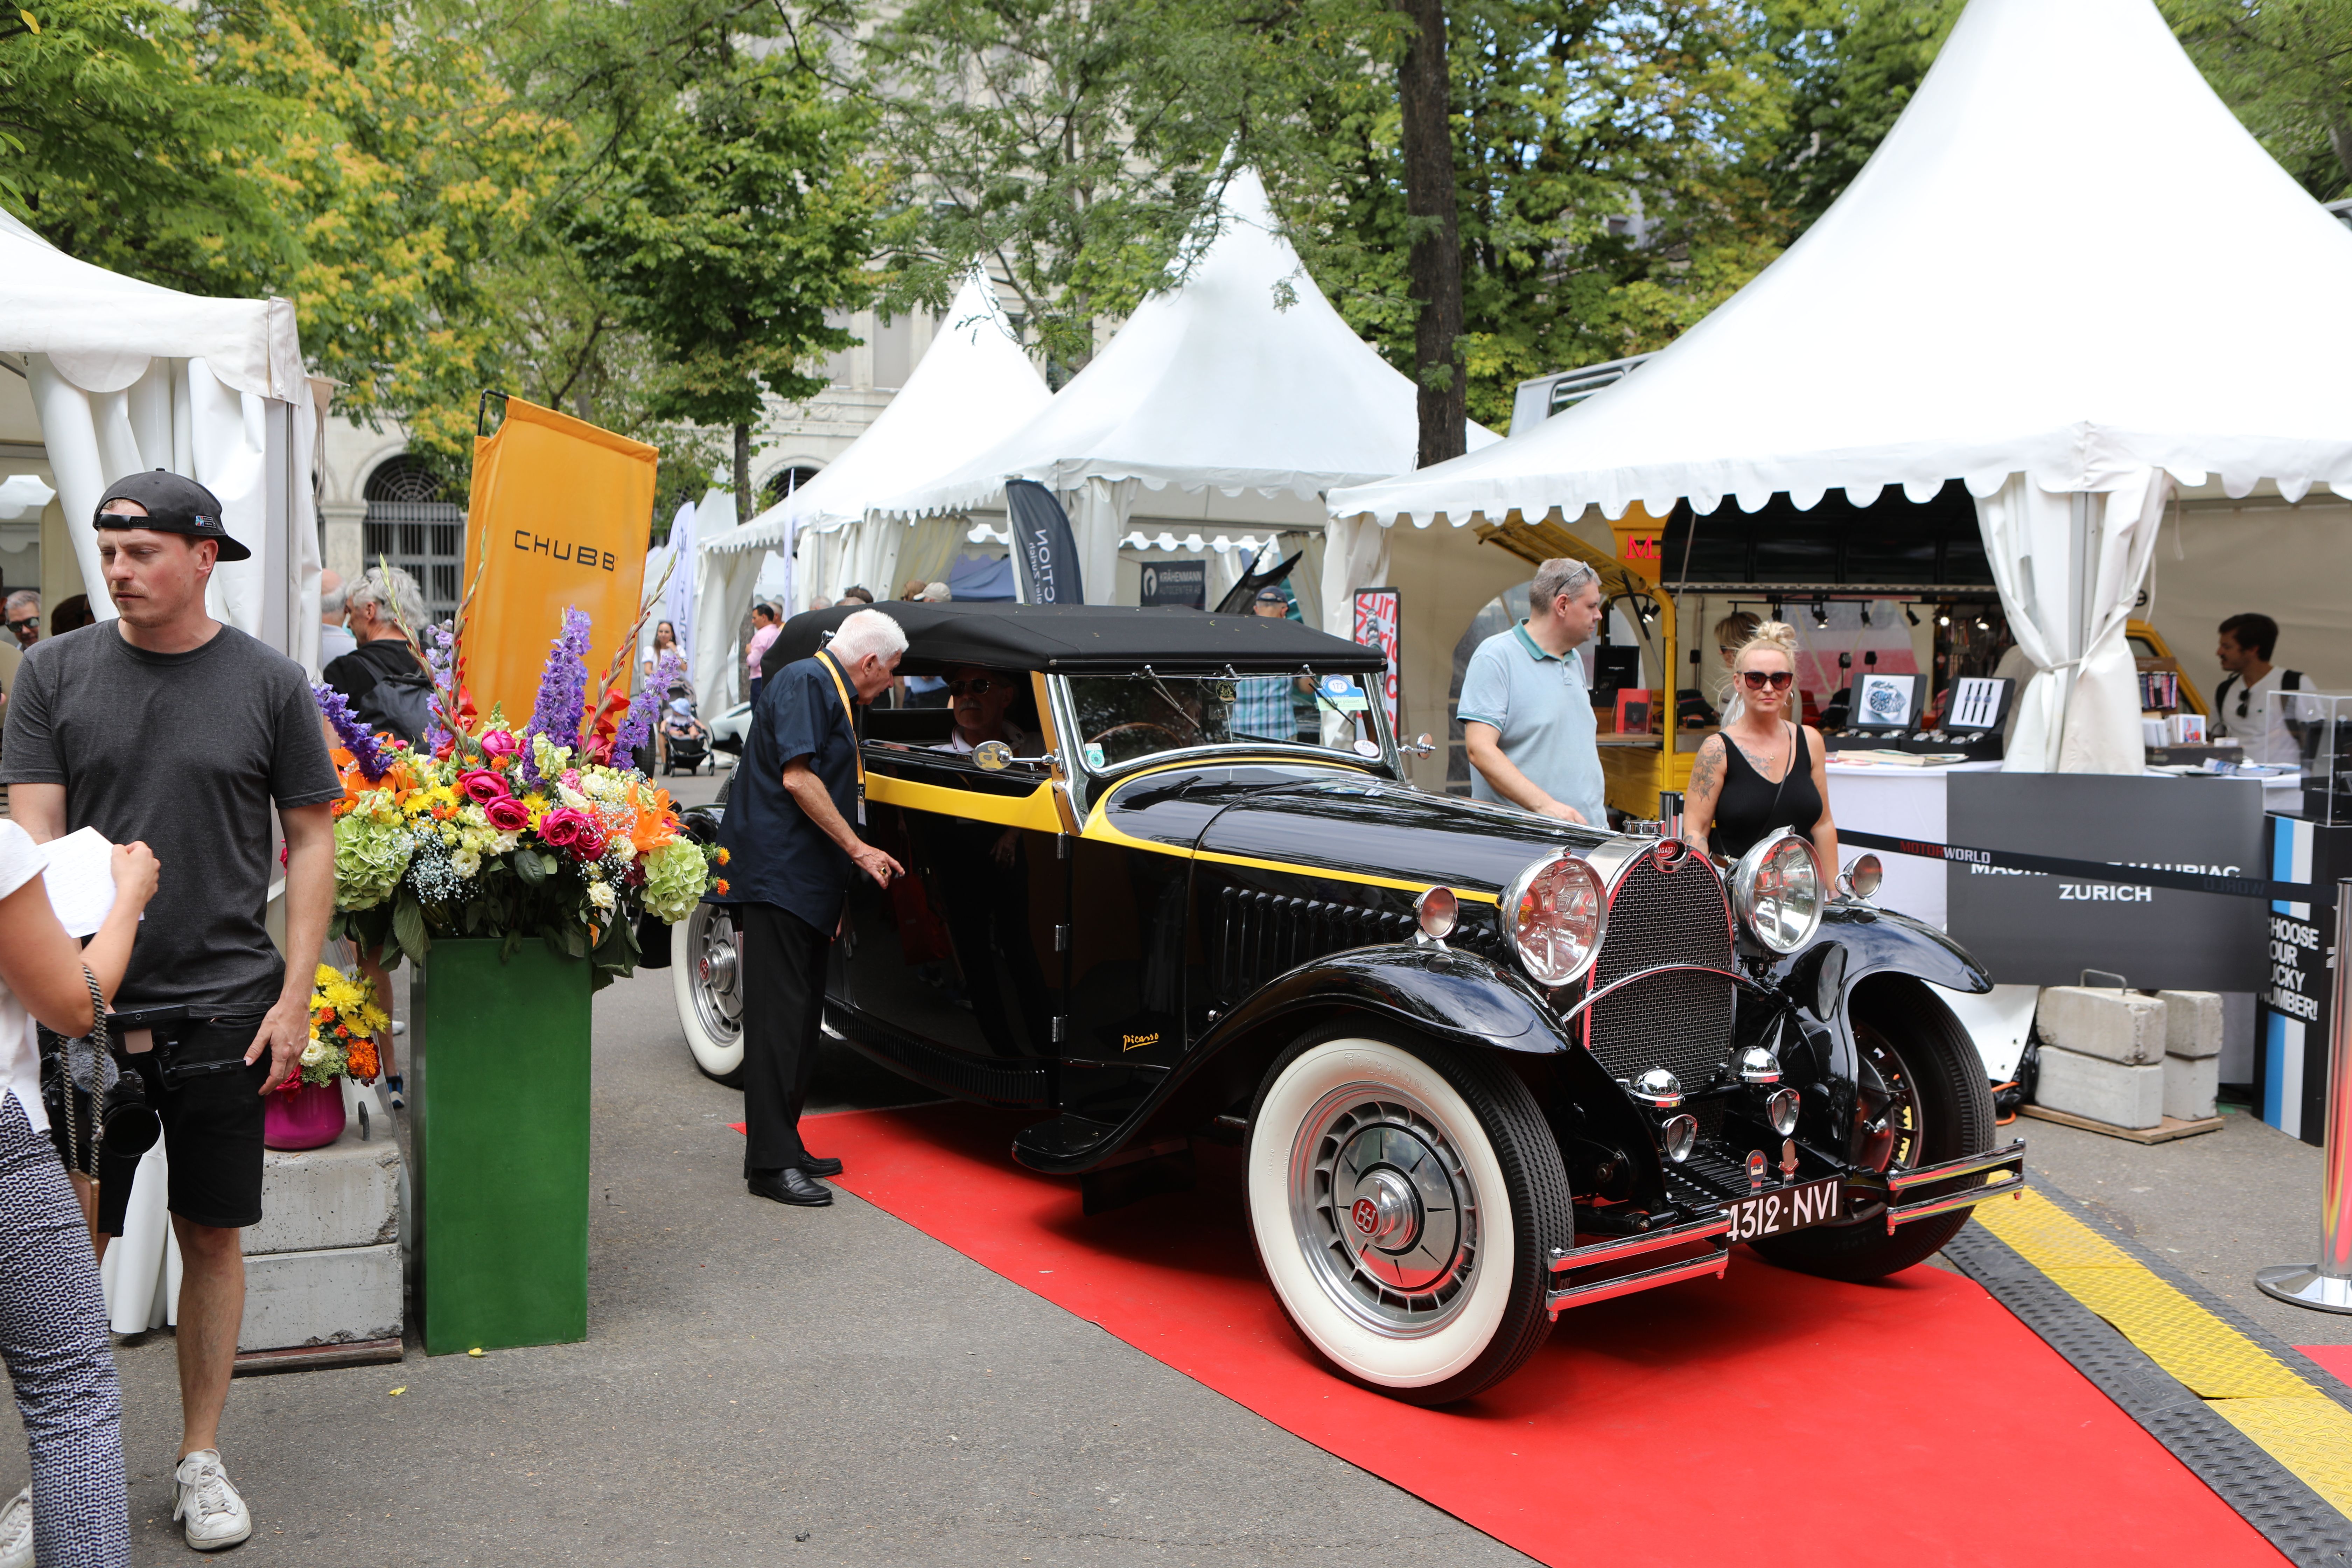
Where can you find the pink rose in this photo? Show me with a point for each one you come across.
(506, 814)
(481, 784)
(500, 743)
(576, 831)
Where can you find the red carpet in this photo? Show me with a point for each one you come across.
(2337, 1359)
(1916, 1422)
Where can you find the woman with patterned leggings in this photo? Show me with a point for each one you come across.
(52, 1312)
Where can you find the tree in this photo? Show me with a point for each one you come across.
(739, 218)
(2285, 67)
(1076, 146)
(1425, 142)
(1601, 192)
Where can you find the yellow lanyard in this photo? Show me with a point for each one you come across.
(856, 752)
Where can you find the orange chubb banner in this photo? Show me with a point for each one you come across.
(560, 516)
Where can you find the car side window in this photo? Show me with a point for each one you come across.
(1124, 718)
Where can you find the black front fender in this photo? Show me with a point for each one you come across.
(1856, 939)
(1448, 993)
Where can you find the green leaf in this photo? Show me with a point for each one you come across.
(526, 865)
(408, 930)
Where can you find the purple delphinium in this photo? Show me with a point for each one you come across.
(351, 731)
(563, 691)
(440, 653)
(669, 670)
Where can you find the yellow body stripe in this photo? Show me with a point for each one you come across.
(2252, 1390)
(1099, 830)
(1035, 810)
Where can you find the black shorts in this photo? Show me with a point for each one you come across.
(212, 1132)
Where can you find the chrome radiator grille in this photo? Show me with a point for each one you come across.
(1261, 935)
(1680, 1020)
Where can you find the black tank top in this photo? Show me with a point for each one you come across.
(1745, 811)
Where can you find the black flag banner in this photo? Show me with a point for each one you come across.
(1044, 545)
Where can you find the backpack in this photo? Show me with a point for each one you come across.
(400, 701)
(2289, 680)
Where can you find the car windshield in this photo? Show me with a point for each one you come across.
(1124, 718)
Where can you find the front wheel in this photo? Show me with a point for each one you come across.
(707, 981)
(1921, 1097)
(1403, 1197)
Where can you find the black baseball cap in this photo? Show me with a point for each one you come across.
(175, 504)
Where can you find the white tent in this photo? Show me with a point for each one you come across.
(973, 384)
(2068, 277)
(1242, 380)
(125, 375)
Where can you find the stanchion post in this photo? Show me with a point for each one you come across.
(2327, 1286)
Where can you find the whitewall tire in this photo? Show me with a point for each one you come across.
(707, 981)
(1403, 1196)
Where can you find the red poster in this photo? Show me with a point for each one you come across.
(1376, 615)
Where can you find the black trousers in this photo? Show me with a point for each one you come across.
(783, 1001)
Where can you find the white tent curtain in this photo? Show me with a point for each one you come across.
(1355, 555)
(175, 414)
(1099, 510)
(722, 598)
(2069, 566)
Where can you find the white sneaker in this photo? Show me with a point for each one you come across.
(201, 1495)
(16, 1532)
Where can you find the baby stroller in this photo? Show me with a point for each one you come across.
(688, 742)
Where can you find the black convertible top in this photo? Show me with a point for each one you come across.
(1082, 639)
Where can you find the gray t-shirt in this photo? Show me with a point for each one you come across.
(185, 751)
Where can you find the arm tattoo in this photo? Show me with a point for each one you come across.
(1707, 771)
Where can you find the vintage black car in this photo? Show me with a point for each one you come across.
(1483, 1066)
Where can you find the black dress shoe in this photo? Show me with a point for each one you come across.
(818, 1165)
(790, 1185)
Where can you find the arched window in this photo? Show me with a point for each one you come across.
(413, 523)
(784, 482)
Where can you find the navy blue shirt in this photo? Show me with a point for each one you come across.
(776, 855)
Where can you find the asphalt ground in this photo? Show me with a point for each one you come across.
(765, 1385)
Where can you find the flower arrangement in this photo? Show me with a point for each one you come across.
(494, 830)
(345, 1019)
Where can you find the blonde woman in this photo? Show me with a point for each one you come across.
(1762, 770)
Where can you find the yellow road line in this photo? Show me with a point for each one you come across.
(2278, 1409)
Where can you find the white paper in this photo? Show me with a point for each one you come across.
(81, 880)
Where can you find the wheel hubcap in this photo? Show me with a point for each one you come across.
(717, 999)
(1384, 1210)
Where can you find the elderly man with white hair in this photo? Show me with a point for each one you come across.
(791, 833)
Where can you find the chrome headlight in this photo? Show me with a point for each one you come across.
(1778, 889)
(1555, 912)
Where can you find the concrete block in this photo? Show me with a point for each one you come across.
(320, 1298)
(2118, 1094)
(2192, 1023)
(2191, 1085)
(345, 1194)
(2116, 1025)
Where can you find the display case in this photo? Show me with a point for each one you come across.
(2320, 727)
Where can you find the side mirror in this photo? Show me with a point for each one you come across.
(1861, 876)
(994, 756)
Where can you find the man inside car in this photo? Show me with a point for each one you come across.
(979, 700)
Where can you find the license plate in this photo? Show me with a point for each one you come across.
(1791, 1208)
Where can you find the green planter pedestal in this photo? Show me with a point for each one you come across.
(498, 1080)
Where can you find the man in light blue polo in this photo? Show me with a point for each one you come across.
(1526, 707)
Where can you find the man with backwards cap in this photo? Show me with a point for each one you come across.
(165, 725)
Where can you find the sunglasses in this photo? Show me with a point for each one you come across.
(979, 686)
(30, 623)
(1757, 679)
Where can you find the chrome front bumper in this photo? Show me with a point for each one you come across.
(1858, 1190)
